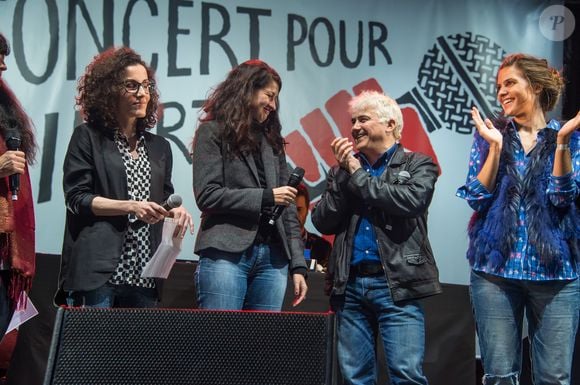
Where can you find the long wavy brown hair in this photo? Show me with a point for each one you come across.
(101, 84)
(230, 103)
(12, 114)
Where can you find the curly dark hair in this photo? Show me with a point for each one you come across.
(4, 46)
(230, 103)
(99, 88)
(12, 114)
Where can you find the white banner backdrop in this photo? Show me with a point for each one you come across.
(437, 58)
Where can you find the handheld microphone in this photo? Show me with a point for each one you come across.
(13, 142)
(294, 180)
(173, 201)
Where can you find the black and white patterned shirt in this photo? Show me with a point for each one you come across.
(137, 246)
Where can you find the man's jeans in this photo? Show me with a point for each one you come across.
(253, 280)
(109, 295)
(551, 308)
(367, 308)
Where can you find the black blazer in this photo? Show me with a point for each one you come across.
(228, 193)
(93, 167)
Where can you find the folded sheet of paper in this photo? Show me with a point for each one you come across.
(162, 261)
(21, 316)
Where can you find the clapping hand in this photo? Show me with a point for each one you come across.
(342, 148)
(569, 128)
(486, 129)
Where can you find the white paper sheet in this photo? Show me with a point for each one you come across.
(162, 261)
(21, 316)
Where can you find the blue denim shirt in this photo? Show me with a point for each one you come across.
(523, 262)
(365, 248)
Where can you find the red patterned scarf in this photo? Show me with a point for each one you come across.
(17, 236)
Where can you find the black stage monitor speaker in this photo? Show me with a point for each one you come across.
(174, 347)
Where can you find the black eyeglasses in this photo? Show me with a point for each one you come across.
(132, 86)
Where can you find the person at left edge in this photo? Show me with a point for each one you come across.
(17, 254)
(115, 172)
(239, 176)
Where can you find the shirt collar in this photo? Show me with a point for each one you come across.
(120, 137)
(383, 159)
(552, 124)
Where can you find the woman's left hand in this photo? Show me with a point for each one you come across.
(300, 288)
(183, 219)
(568, 129)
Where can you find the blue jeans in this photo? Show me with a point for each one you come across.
(110, 295)
(366, 309)
(551, 309)
(253, 280)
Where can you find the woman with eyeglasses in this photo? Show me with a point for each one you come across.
(115, 173)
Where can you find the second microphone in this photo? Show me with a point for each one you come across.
(173, 201)
(293, 181)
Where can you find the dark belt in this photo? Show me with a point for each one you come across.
(364, 269)
(267, 234)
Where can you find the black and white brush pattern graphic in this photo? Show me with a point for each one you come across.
(458, 72)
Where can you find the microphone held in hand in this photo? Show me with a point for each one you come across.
(13, 142)
(294, 180)
(173, 201)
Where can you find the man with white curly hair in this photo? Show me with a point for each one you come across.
(375, 204)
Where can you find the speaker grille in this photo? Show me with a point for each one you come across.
(161, 346)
